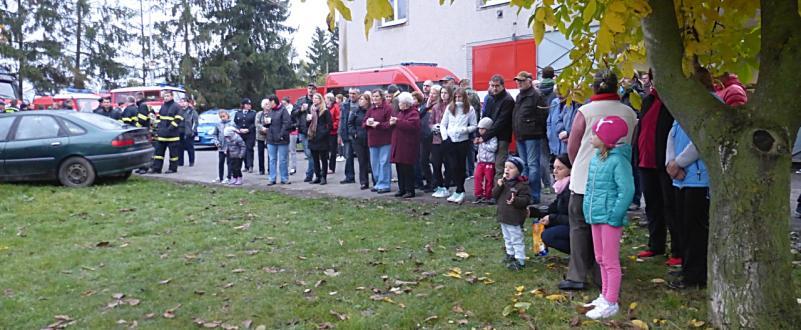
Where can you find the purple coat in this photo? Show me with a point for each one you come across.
(382, 134)
(405, 137)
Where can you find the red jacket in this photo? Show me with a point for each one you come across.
(381, 135)
(405, 136)
(335, 117)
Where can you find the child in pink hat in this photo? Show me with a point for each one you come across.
(610, 188)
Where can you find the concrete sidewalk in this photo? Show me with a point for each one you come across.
(205, 171)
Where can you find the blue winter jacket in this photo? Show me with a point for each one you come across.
(696, 175)
(610, 188)
(554, 114)
(565, 123)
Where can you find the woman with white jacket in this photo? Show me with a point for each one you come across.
(457, 124)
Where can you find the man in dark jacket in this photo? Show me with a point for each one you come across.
(278, 123)
(105, 109)
(129, 115)
(358, 139)
(344, 134)
(499, 108)
(299, 113)
(529, 125)
(167, 133)
(189, 132)
(245, 122)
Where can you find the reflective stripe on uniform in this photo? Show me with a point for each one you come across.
(143, 117)
(179, 117)
(127, 119)
(158, 157)
(173, 159)
(168, 139)
(174, 124)
(166, 118)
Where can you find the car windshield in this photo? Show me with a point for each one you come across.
(98, 121)
(209, 118)
(87, 105)
(6, 90)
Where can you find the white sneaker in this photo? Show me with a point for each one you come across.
(225, 181)
(340, 159)
(597, 303)
(603, 312)
(459, 199)
(441, 193)
(453, 197)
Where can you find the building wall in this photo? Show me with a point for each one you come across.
(432, 34)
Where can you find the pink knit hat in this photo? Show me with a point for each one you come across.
(610, 130)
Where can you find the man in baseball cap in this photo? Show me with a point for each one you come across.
(523, 76)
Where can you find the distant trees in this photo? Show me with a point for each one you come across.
(323, 55)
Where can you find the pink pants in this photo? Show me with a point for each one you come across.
(484, 174)
(606, 243)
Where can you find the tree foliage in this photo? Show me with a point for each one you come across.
(323, 55)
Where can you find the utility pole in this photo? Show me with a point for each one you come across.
(142, 32)
(18, 31)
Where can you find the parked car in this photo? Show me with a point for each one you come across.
(206, 122)
(72, 147)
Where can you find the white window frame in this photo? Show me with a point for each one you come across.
(396, 22)
(491, 3)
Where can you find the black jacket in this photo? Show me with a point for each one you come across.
(358, 133)
(425, 131)
(530, 115)
(169, 121)
(111, 113)
(279, 127)
(129, 115)
(344, 114)
(500, 111)
(298, 116)
(143, 115)
(247, 121)
(663, 125)
(323, 133)
(557, 211)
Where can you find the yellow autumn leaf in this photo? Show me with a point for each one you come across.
(520, 288)
(636, 103)
(617, 7)
(556, 297)
(539, 15)
(589, 11)
(604, 40)
(658, 281)
(632, 306)
(696, 323)
(463, 255)
(640, 324)
(614, 22)
(539, 31)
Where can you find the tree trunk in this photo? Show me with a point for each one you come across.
(142, 34)
(79, 81)
(21, 15)
(749, 260)
(747, 151)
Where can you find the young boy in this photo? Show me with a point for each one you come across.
(218, 138)
(235, 150)
(513, 194)
(485, 169)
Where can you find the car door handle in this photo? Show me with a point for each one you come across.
(55, 144)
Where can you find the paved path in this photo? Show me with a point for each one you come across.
(205, 170)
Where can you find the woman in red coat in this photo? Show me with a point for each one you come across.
(406, 124)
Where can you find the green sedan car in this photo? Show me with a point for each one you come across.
(71, 147)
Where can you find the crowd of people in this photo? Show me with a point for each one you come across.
(600, 158)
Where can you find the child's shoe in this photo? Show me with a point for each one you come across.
(238, 181)
(597, 303)
(507, 259)
(440, 193)
(673, 262)
(515, 265)
(603, 312)
(459, 199)
(646, 254)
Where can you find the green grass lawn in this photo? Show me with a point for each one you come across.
(159, 255)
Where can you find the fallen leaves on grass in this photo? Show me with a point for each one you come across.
(430, 250)
(238, 270)
(640, 324)
(170, 313)
(455, 272)
(244, 226)
(331, 272)
(696, 323)
(126, 209)
(251, 252)
(430, 318)
(62, 321)
(325, 326)
(103, 244)
(658, 281)
(463, 255)
(273, 270)
(340, 316)
(167, 281)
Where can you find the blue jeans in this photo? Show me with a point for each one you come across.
(557, 237)
(529, 151)
(275, 152)
(382, 170)
(307, 152)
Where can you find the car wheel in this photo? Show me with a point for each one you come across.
(76, 172)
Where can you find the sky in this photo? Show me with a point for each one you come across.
(305, 16)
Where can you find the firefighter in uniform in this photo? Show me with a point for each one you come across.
(11, 108)
(129, 114)
(3, 108)
(143, 120)
(167, 133)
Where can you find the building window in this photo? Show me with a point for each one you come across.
(489, 3)
(400, 12)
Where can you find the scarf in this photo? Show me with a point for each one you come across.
(313, 125)
(605, 97)
(547, 83)
(560, 185)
